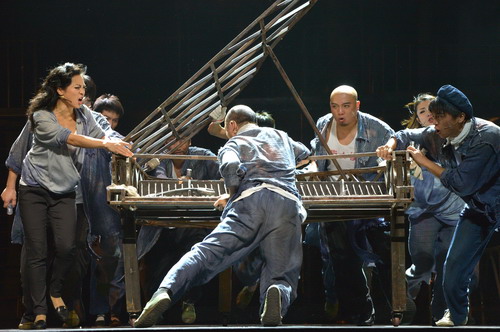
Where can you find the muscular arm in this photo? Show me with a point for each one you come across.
(215, 129)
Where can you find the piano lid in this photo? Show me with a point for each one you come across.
(218, 82)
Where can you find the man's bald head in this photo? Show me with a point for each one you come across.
(344, 105)
(241, 114)
(345, 89)
(237, 117)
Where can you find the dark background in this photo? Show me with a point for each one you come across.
(143, 51)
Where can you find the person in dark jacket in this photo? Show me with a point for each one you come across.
(468, 165)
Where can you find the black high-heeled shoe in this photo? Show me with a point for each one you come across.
(63, 313)
(40, 324)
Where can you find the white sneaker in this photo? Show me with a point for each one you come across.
(271, 315)
(159, 303)
(446, 320)
(188, 313)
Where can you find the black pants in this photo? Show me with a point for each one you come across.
(72, 290)
(42, 210)
(356, 304)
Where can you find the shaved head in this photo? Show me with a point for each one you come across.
(345, 89)
(344, 105)
(237, 117)
(241, 114)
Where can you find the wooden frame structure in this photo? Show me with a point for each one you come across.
(189, 203)
(186, 112)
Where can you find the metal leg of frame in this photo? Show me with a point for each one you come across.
(398, 251)
(132, 283)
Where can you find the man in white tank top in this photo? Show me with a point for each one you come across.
(347, 130)
(338, 148)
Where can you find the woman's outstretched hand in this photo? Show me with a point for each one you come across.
(118, 147)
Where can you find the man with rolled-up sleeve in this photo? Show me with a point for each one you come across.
(262, 210)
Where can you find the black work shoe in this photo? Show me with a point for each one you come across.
(40, 324)
(63, 313)
(271, 315)
(159, 303)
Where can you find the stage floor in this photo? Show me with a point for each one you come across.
(285, 327)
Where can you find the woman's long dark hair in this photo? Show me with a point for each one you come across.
(412, 121)
(47, 96)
